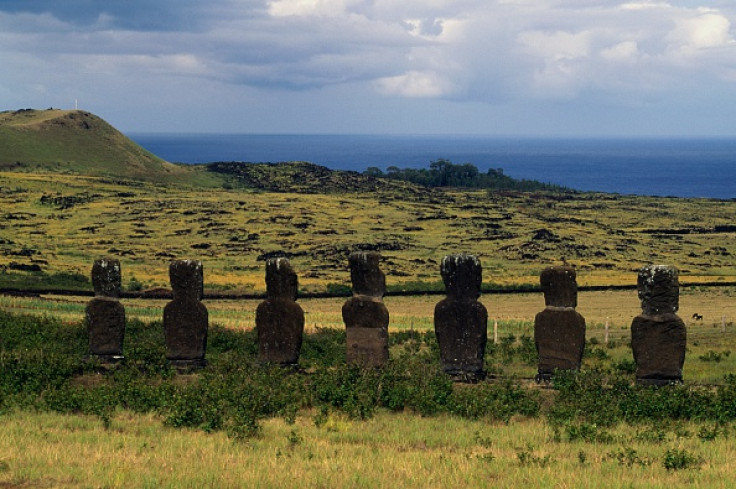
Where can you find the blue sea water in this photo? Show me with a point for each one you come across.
(682, 167)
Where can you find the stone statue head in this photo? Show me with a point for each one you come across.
(659, 289)
(365, 274)
(281, 280)
(187, 279)
(462, 275)
(559, 286)
(106, 277)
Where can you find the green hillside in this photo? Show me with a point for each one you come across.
(76, 141)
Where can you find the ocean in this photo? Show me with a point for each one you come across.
(681, 167)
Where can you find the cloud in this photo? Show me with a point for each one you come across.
(415, 84)
(474, 51)
(707, 30)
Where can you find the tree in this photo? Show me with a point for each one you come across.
(373, 171)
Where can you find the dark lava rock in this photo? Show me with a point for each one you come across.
(279, 319)
(658, 335)
(105, 314)
(365, 315)
(186, 319)
(559, 330)
(460, 321)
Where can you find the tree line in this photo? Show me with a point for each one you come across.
(444, 173)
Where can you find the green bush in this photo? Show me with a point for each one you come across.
(675, 459)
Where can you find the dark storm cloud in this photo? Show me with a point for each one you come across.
(144, 15)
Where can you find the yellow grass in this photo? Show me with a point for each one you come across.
(618, 308)
(388, 451)
(608, 238)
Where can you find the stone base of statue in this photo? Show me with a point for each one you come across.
(186, 366)
(366, 327)
(461, 330)
(185, 331)
(106, 329)
(280, 328)
(559, 335)
(659, 343)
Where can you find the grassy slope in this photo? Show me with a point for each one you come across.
(79, 142)
(129, 204)
(606, 237)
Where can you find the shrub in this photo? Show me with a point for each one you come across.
(675, 459)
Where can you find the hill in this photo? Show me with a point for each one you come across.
(79, 142)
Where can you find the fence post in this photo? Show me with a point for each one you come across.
(605, 337)
(723, 323)
(495, 331)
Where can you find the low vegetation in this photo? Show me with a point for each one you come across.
(55, 225)
(444, 173)
(238, 413)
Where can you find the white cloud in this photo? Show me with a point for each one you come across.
(626, 51)
(283, 8)
(415, 84)
(707, 30)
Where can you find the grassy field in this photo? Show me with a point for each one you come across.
(141, 427)
(55, 225)
(617, 307)
(390, 450)
(68, 425)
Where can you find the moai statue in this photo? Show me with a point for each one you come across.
(279, 319)
(460, 321)
(365, 315)
(658, 335)
(559, 330)
(185, 318)
(105, 314)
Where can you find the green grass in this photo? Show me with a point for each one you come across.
(232, 232)
(82, 143)
(238, 423)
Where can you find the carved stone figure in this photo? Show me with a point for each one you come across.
(559, 330)
(658, 335)
(105, 314)
(365, 315)
(279, 319)
(186, 319)
(460, 321)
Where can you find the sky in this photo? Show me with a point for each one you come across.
(574, 68)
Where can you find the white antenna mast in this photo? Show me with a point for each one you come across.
(75, 104)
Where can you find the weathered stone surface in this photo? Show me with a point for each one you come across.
(460, 321)
(462, 275)
(281, 280)
(279, 319)
(106, 328)
(186, 319)
(559, 334)
(659, 289)
(559, 286)
(106, 277)
(105, 314)
(367, 346)
(365, 274)
(365, 315)
(659, 344)
(559, 330)
(658, 335)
